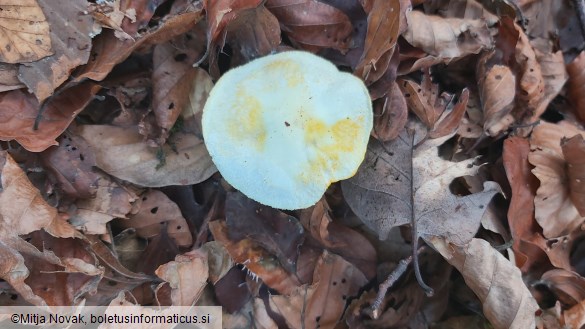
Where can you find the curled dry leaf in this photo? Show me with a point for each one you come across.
(20, 111)
(322, 303)
(497, 90)
(156, 209)
(576, 85)
(555, 211)
(22, 208)
(507, 302)
(25, 32)
(447, 38)
(575, 316)
(122, 153)
(399, 182)
(70, 37)
(340, 239)
(253, 33)
(574, 152)
(568, 286)
(174, 80)
(382, 34)
(390, 115)
(108, 50)
(312, 24)
(529, 246)
(187, 276)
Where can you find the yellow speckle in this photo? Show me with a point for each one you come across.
(250, 128)
(288, 70)
(330, 143)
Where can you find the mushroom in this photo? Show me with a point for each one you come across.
(283, 127)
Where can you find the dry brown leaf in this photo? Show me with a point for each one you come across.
(123, 153)
(575, 316)
(447, 38)
(110, 201)
(322, 303)
(530, 247)
(70, 36)
(396, 184)
(277, 232)
(108, 50)
(576, 85)
(22, 208)
(497, 91)
(568, 286)
(174, 78)
(9, 77)
(555, 211)
(468, 9)
(531, 101)
(156, 208)
(574, 152)
(383, 30)
(25, 32)
(20, 111)
(253, 33)
(187, 276)
(390, 115)
(71, 166)
(507, 302)
(218, 259)
(256, 260)
(340, 239)
(311, 24)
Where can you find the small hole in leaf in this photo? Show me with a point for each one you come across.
(334, 283)
(81, 157)
(343, 280)
(178, 227)
(344, 297)
(154, 210)
(171, 106)
(144, 198)
(180, 57)
(407, 95)
(14, 296)
(481, 206)
(317, 319)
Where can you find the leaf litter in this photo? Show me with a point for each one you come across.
(108, 194)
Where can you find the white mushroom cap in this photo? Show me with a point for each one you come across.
(283, 127)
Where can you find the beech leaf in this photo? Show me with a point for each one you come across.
(25, 33)
(507, 302)
(122, 153)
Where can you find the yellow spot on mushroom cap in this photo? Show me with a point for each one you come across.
(282, 128)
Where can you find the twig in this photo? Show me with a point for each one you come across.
(374, 310)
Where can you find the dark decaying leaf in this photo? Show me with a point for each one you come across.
(256, 260)
(340, 239)
(311, 24)
(278, 233)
